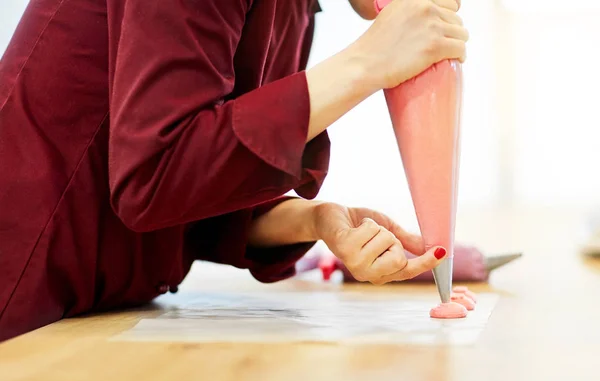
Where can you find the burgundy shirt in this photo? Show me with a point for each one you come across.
(137, 136)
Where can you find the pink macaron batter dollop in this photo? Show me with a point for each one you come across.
(464, 290)
(463, 300)
(450, 310)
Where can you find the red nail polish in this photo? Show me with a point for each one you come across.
(439, 253)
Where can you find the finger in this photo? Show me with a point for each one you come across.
(390, 262)
(451, 48)
(452, 5)
(419, 265)
(411, 242)
(382, 242)
(450, 17)
(358, 237)
(456, 32)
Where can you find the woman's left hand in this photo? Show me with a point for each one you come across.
(371, 245)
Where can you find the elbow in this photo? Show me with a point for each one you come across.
(149, 208)
(137, 199)
(132, 213)
(134, 220)
(136, 224)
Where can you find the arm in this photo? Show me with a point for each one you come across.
(290, 222)
(181, 147)
(267, 239)
(422, 31)
(369, 243)
(336, 85)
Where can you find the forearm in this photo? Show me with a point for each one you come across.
(335, 86)
(288, 223)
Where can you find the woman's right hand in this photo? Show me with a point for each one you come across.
(407, 37)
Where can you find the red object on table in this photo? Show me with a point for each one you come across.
(328, 263)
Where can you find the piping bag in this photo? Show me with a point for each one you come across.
(425, 113)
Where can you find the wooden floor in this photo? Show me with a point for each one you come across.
(546, 326)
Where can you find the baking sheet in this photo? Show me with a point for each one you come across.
(331, 317)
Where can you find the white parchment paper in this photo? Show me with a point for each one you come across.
(312, 317)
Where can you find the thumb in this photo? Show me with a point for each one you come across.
(411, 242)
(426, 262)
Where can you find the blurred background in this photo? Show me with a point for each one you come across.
(531, 127)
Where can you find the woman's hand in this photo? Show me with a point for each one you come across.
(408, 36)
(371, 245)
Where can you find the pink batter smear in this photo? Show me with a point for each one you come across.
(449, 310)
(464, 290)
(463, 300)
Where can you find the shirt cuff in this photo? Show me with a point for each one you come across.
(223, 239)
(272, 122)
(273, 264)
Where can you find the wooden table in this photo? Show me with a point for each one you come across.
(546, 326)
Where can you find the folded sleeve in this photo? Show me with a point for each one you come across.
(181, 147)
(223, 239)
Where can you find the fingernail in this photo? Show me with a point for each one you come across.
(439, 253)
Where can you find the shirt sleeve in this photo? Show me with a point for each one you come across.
(180, 148)
(223, 239)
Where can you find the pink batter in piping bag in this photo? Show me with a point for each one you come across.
(425, 113)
